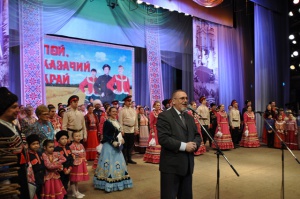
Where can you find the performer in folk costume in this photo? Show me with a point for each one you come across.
(152, 154)
(73, 120)
(203, 111)
(129, 127)
(53, 188)
(11, 138)
(222, 135)
(92, 125)
(291, 132)
(235, 123)
(37, 162)
(54, 118)
(213, 119)
(202, 148)
(143, 129)
(249, 138)
(89, 82)
(270, 125)
(122, 84)
(63, 148)
(111, 173)
(280, 126)
(267, 112)
(79, 171)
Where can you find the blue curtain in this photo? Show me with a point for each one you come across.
(271, 65)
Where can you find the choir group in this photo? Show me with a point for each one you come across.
(60, 142)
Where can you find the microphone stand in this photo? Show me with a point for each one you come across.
(283, 144)
(218, 153)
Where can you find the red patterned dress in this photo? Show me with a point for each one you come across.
(280, 126)
(92, 127)
(252, 139)
(202, 148)
(53, 188)
(79, 171)
(225, 141)
(291, 134)
(144, 131)
(152, 154)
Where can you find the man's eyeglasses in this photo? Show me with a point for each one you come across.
(182, 98)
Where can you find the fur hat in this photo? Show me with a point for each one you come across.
(7, 99)
(60, 111)
(61, 133)
(212, 104)
(72, 98)
(32, 138)
(165, 102)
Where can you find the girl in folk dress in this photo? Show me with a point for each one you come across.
(92, 125)
(280, 126)
(152, 154)
(224, 141)
(291, 132)
(143, 128)
(249, 138)
(202, 148)
(52, 188)
(79, 171)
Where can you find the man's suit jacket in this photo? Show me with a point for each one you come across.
(171, 132)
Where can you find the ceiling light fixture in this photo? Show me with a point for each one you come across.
(208, 3)
(291, 37)
(292, 67)
(296, 1)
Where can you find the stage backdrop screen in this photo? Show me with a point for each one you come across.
(91, 70)
(205, 61)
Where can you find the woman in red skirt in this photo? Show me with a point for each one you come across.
(280, 126)
(291, 132)
(92, 126)
(152, 154)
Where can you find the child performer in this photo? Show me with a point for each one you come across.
(280, 129)
(292, 130)
(270, 134)
(37, 162)
(53, 188)
(62, 139)
(79, 171)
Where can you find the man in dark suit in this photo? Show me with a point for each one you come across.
(179, 138)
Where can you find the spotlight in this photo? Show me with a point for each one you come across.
(292, 67)
(186, 14)
(296, 1)
(291, 37)
(291, 14)
(139, 2)
(292, 55)
(155, 6)
(294, 41)
(171, 10)
(295, 53)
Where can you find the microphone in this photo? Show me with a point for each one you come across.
(191, 109)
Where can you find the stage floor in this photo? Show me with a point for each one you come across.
(259, 169)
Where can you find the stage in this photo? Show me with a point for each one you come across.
(259, 169)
